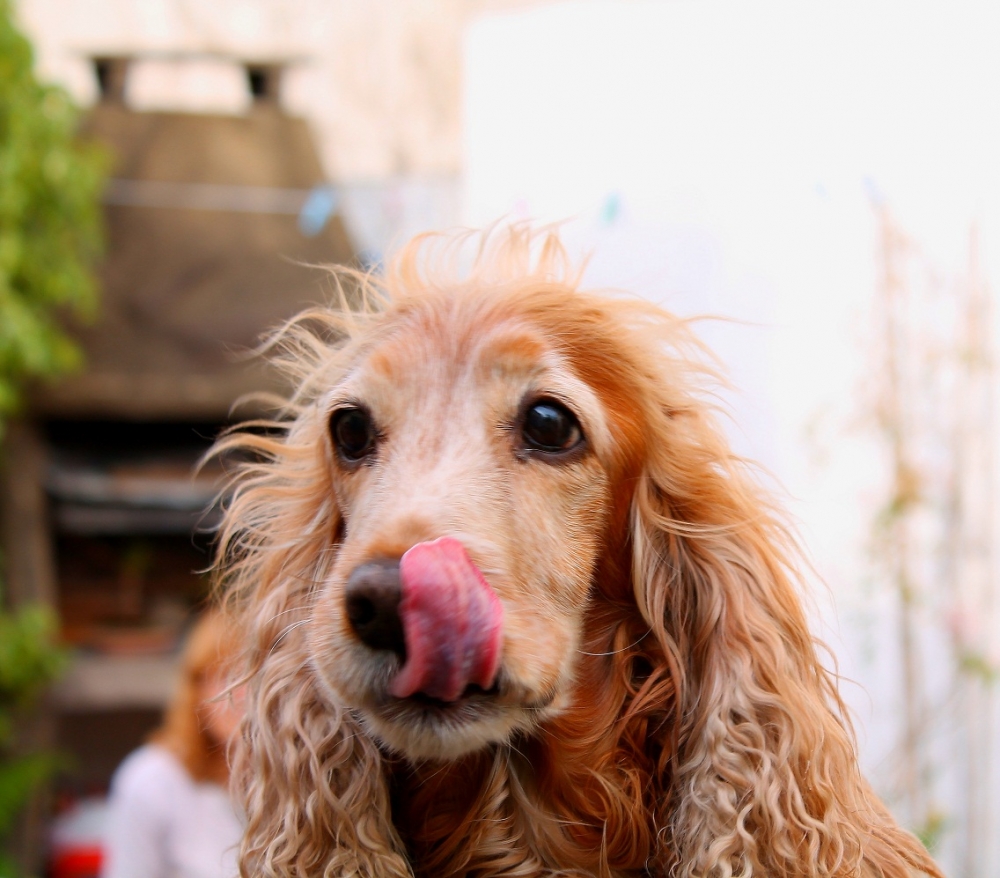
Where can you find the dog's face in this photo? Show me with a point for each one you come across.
(470, 468)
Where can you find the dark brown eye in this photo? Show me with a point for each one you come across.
(550, 427)
(353, 433)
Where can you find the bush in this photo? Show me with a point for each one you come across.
(29, 660)
(50, 229)
(50, 236)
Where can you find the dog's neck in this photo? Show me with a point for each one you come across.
(558, 796)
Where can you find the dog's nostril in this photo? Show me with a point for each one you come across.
(372, 605)
(361, 611)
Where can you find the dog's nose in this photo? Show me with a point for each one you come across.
(372, 598)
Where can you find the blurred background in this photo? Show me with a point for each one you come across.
(823, 177)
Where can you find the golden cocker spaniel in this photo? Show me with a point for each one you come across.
(515, 608)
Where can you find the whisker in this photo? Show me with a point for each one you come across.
(617, 651)
(284, 613)
(288, 630)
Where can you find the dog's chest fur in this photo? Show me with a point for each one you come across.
(531, 808)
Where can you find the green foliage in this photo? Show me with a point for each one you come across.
(933, 828)
(50, 236)
(50, 228)
(29, 661)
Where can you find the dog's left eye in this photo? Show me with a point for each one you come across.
(353, 433)
(551, 427)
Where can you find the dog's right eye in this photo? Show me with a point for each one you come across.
(551, 428)
(353, 433)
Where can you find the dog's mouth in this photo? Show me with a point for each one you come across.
(418, 711)
(422, 726)
(473, 703)
(472, 693)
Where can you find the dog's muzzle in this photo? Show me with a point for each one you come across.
(435, 610)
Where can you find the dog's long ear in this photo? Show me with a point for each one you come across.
(310, 782)
(765, 779)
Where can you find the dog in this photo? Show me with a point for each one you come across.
(515, 608)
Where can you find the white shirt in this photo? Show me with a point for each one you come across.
(164, 824)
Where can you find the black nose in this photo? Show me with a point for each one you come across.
(372, 602)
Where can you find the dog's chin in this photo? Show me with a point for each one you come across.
(421, 728)
(425, 730)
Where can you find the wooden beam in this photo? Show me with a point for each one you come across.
(28, 561)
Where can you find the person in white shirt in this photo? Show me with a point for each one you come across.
(170, 814)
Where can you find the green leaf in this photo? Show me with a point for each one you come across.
(50, 220)
(50, 237)
(18, 780)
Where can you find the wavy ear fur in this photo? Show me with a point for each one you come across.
(765, 775)
(311, 782)
(313, 787)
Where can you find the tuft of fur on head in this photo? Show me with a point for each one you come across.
(699, 735)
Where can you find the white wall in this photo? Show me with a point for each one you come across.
(728, 157)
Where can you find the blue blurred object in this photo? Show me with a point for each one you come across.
(370, 260)
(319, 206)
(611, 208)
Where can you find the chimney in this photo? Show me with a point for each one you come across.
(264, 81)
(111, 73)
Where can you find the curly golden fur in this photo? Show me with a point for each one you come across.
(659, 707)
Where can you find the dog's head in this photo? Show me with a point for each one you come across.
(500, 509)
(474, 442)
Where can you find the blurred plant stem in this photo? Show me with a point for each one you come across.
(935, 535)
(895, 416)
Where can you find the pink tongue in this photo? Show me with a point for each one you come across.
(452, 623)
